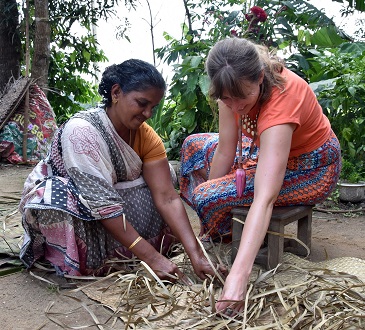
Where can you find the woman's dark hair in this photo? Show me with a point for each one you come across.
(232, 61)
(131, 75)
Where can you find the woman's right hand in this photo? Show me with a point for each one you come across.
(231, 300)
(202, 266)
(165, 269)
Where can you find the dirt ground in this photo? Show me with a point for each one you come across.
(29, 303)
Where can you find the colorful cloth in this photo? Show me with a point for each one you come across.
(90, 174)
(309, 179)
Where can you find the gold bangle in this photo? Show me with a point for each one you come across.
(135, 242)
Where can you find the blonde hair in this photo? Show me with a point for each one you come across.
(233, 61)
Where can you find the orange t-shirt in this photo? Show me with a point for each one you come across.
(296, 104)
(148, 145)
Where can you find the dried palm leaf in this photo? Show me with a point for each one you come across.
(296, 295)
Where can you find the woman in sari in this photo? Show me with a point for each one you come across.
(105, 191)
(290, 154)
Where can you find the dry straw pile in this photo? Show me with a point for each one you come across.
(298, 294)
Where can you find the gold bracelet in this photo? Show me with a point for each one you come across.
(135, 242)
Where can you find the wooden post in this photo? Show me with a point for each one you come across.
(26, 104)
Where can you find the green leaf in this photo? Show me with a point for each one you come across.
(10, 270)
(86, 55)
(322, 85)
(204, 84)
(192, 128)
(188, 118)
(327, 37)
(359, 4)
(188, 99)
(352, 90)
(303, 62)
(346, 133)
(167, 36)
(355, 48)
(195, 61)
(73, 56)
(192, 82)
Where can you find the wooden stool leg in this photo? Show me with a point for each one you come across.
(271, 256)
(275, 244)
(304, 234)
(237, 228)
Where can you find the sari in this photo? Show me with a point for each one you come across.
(89, 174)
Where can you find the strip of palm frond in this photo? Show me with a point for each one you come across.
(284, 235)
(9, 199)
(4, 271)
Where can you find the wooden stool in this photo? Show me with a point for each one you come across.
(271, 256)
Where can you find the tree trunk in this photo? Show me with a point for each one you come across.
(10, 46)
(42, 39)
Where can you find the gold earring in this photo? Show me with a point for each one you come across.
(115, 101)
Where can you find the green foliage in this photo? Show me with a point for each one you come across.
(70, 92)
(358, 4)
(338, 77)
(168, 126)
(334, 197)
(289, 25)
(53, 288)
(73, 55)
(303, 29)
(74, 52)
(352, 172)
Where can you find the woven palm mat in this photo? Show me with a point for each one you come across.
(298, 294)
(11, 232)
(11, 98)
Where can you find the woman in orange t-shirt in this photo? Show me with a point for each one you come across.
(291, 155)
